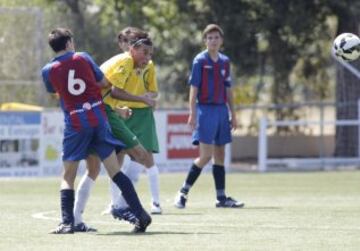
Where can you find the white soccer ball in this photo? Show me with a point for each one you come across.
(346, 46)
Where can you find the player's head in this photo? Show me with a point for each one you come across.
(60, 39)
(141, 51)
(213, 37)
(129, 34)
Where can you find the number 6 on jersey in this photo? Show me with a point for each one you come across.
(76, 86)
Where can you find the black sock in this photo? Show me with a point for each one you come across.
(128, 192)
(193, 174)
(219, 178)
(67, 205)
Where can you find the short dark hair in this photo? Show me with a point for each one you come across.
(58, 38)
(212, 27)
(130, 34)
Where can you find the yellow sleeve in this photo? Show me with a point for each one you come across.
(150, 78)
(118, 72)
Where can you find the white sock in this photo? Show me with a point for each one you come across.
(153, 175)
(132, 171)
(114, 193)
(81, 197)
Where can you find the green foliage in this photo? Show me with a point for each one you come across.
(285, 40)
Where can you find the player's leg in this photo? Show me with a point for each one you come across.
(83, 192)
(133, 170)
(140, 159)
(218, 171)
(128, 192)
(222, 138)
(205, 156)
(117, 201)
(67, 196)
(142, 124)
(204, 134)
(153, 175)
(104, 147)
(75, 148)
(124, 134)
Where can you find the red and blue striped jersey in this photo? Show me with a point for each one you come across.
(211, 78)
(74, 76)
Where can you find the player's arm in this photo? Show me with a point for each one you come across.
(230, 102)
(194, 82)
(192, 106)
(229, 93)
(151, 82)
(121, 94)
(103, 83)
(45, 72)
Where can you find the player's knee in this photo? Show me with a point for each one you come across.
(93, 173)
(141, 158)
(205, 159)
(202, 161)
(133, 174)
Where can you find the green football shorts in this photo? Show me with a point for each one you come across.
(142, 124)
(119, 129)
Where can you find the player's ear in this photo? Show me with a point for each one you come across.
(70, 44)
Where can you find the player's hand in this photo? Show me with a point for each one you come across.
(152, 95)
(192, 121)
(149, 101)
(233, 121)
(124, 112)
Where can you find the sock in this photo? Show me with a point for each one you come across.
(114, 193)
(132, 171)
(67, 205)
(219, 178)
(128, 191)
(153, 175)
(193, 174)
(81, 197)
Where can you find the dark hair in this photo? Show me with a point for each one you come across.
(212, 27)
(130, 34)
(58, 38)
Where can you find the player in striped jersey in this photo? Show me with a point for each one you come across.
(76, 79)
(210, 101)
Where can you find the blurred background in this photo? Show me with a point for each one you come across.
(282, 67)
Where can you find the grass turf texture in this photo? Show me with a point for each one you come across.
(283, 211)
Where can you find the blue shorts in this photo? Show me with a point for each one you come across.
(77, 144)
(212, 125)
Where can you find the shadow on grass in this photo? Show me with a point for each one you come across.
(183, 213)
(123, 233)
(260, 208)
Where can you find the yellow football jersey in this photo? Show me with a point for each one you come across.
(120, 71)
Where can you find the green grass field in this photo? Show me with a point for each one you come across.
(284, 211)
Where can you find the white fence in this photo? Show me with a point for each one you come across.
(264, 161)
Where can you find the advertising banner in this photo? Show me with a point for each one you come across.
(179, 138)
(31, 143)
(19, 143)
(52, 127)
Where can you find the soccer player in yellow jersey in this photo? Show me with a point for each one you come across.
(134, 85)
(133, 77)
